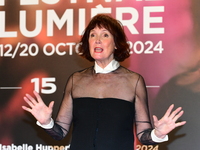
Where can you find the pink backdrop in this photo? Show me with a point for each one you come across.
(38, 41)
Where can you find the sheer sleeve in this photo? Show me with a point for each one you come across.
(64, 117)
(143, 122)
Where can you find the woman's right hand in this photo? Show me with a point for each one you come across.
(38, 108)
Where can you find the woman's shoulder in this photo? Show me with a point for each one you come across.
(133, 77)
(83, 72)
(77, 75)
(130, 72)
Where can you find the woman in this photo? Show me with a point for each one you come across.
(105, 101)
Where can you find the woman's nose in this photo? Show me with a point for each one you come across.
(98, 40)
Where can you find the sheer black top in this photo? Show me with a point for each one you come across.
(104, 109)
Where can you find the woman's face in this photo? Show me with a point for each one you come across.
(101, 44)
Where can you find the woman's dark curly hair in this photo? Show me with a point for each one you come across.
(122, 50)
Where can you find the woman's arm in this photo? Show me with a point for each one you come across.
(163, 126)
(58, 129)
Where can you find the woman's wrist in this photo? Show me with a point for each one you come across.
(157, 133)
(157, 139)
(46, 126)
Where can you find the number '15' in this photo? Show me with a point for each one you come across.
(47, 85)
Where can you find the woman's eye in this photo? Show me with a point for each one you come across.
(106, 35)
(91, 35)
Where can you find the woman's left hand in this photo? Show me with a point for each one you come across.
(168, 122)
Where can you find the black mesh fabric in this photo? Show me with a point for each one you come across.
(103, 109)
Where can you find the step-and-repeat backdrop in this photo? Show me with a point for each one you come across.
(38, 51)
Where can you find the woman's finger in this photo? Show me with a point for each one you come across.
(178, 116)
(28, 102)
(51, 105)
(31, 99)
(169, 110)
(175, 112)
(27, 109)
(155, 119)
(37, 95)
(180, 123)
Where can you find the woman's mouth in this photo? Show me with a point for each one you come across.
(98, 50)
